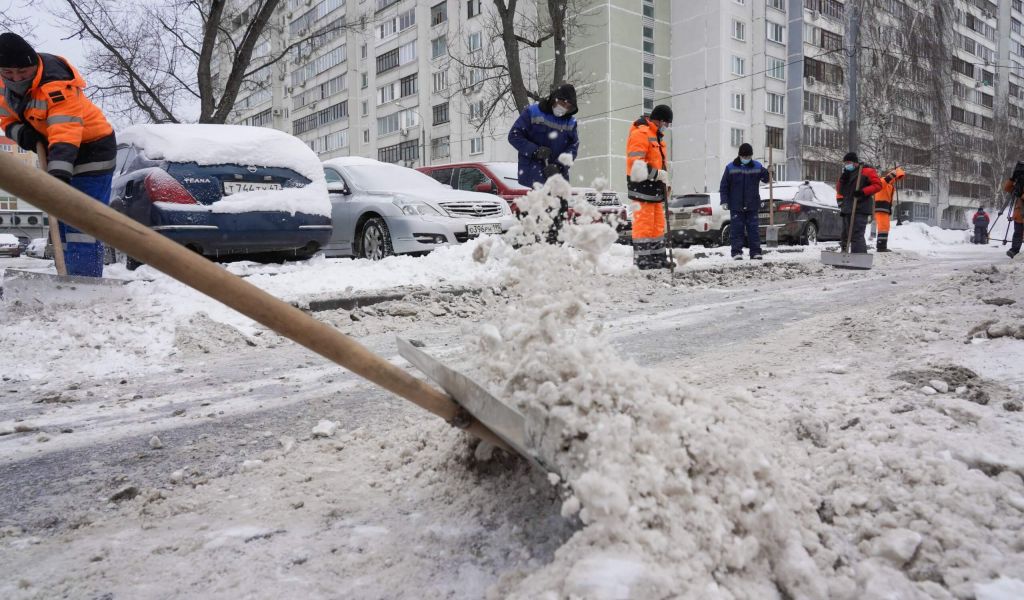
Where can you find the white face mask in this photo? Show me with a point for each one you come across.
(560, 111)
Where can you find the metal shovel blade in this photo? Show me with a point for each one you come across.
(771, 235)
(506, 422)
(30, 289)
(847, 260)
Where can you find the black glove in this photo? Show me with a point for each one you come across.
(858, 194)
(542, 153)
(62, 175)
(550, 170)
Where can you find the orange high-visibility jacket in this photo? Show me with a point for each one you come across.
(884, 196)
(56, 111)
(648, 145)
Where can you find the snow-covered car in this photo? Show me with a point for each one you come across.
(9, 245)
(698, 219)
(502, 179)
(806, 210)
(381, 209)
(39, 248)
(224, 190)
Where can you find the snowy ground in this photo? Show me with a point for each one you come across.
(164, 447)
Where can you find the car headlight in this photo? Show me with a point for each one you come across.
(417, 209)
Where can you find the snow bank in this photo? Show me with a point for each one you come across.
(207, 144)
(922, 238)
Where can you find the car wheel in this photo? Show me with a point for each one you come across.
(810, 234)
(375, 240)
(724, 238)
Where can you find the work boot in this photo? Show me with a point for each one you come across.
(1011, 253)
(757, 257)
(737, 257)
(882, 246)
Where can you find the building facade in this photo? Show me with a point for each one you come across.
(17, 216)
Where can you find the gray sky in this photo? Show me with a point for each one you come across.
(42, 32)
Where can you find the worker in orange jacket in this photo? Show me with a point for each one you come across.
(647, 182)
(883, 206)
(1015, 187)
(43, 102)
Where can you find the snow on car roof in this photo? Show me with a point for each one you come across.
(210, 144)
(8, 238)
(352, 161)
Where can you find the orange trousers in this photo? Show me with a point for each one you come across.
(648, 221)
(882, 222)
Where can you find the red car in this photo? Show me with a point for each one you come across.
(502, 179)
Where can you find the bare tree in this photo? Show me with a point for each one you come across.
(503, 75)
(168, 60)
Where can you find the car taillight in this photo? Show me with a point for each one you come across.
(792, 207)
(702, 210)
(161, 187)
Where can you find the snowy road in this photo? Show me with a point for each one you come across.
(205, 506)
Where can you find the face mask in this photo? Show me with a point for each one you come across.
(849, 167)
(663, 129)
(560, 111)
(745, 161)
(18, 87)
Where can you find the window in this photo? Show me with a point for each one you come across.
(776, 68)
(472, 8)
(773, 137)
(739, 102)
(776, 104)
(739, 31)
(438, 47)
(409, 118)
(362, 51)
(441, 148)
(407, 85)
(474, 42)
(476, 110)
(439, 13)
(406, 19)
(776, 32)
(407, 53)
(320, 118)
(469, 177)
(406, 151)
(441, 114)
(440, 81)
(385, 93)
(778, 4)
(476, 145)
(739, 66)
(387, 61)
(387, 125)
(364, 81)
(366, 136)
(736, 137)
(366, 108)
(649, 10)
(475, 76)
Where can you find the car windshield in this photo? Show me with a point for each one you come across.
(389, 178)
(508, 173)
(689, 201)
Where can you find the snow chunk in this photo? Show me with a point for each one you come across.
(1003, 588)
(601, 496)
(897, 545)
(155, 443)
(639, 172)
(939, 385)
(606, 577)
(325, 428)
(565, 158)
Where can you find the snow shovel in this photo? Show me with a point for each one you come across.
(771, 231)
(846, 259)
(668, 235)
(159, 252)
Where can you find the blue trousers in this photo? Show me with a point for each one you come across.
(83, 254)
(743, 227)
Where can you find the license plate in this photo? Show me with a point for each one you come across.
(481, 228)
(235, 187)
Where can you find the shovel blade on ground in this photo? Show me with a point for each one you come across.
(847, 260)
(30, 289)
(506, 422)
(771, 235)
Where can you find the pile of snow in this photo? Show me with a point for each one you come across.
(922, 238)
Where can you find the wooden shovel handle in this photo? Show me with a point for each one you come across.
(139, 242)
(58, 247)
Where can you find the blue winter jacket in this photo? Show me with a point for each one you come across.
(740, 185)
(535, 128)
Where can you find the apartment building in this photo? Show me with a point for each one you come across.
(379, 82)
(17, 216)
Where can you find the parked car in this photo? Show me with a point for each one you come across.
(807, 211)
(39, 248)
(698, 219)
(224, 190)
(9, 245)
(502, 179)
(380, 209)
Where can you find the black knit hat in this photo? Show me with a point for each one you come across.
(662, 112)
(851, 157)
(746, 149)
(15, 52)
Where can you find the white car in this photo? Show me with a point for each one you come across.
(37, 248)
(698, 219)
(380, 209)
(9, 245)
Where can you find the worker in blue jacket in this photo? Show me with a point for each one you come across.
(740, 190)
(542, 133)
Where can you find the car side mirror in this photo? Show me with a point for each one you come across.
(337, 187)
(486, 187)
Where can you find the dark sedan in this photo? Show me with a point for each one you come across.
(806, 211)
(219, 203)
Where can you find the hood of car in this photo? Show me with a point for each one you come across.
(436, 198)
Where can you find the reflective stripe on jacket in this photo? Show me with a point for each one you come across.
(645, 144)
(56, 111)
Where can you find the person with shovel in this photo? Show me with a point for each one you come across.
(43, 104)
(542, 133)
(854, 191)
(647, 184)
(980, 221)
(740, 190)
(883, 206)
